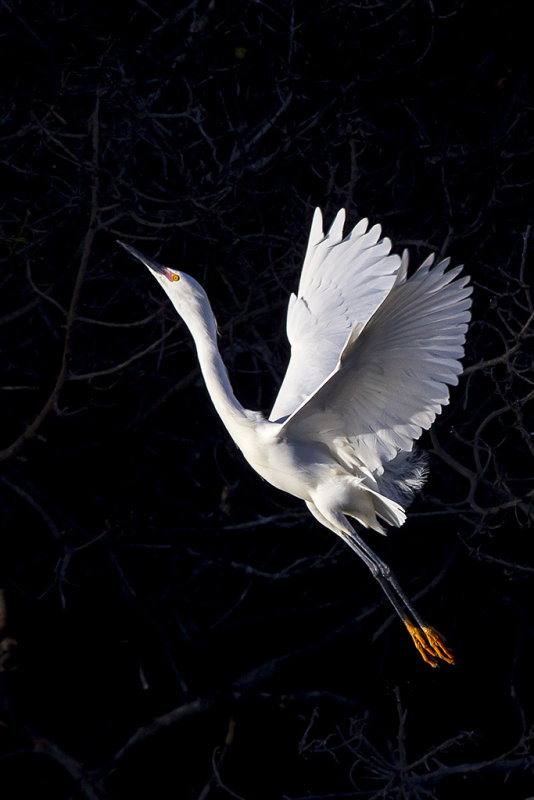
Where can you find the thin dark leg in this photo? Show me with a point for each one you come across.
(428, 641)
(384, 575)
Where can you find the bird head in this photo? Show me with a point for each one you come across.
(186, 294)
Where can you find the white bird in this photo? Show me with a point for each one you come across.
(372, 355)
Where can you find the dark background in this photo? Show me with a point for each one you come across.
(173, 627)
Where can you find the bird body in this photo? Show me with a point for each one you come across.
(372, 355)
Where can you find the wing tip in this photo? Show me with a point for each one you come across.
(335, 231)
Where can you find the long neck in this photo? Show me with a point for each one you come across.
(204, 332)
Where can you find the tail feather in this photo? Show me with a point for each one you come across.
(402, 477)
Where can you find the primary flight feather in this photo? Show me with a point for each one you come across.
(373, 353)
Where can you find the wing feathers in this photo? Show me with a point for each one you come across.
(343, 282)
(392, 376)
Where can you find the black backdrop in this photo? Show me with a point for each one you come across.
(172, 626)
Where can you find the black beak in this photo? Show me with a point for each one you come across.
(153, 265)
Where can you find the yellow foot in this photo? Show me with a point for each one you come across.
(430, 644)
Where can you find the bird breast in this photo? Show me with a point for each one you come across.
(292, 466)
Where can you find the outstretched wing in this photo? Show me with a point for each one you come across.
(391, 379)
(343, 282)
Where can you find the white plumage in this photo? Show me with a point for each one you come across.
(372, 355)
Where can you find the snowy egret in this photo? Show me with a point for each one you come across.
(372, 355)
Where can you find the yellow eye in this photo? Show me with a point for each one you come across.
(175, 277)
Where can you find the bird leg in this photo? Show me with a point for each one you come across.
(428, 641)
